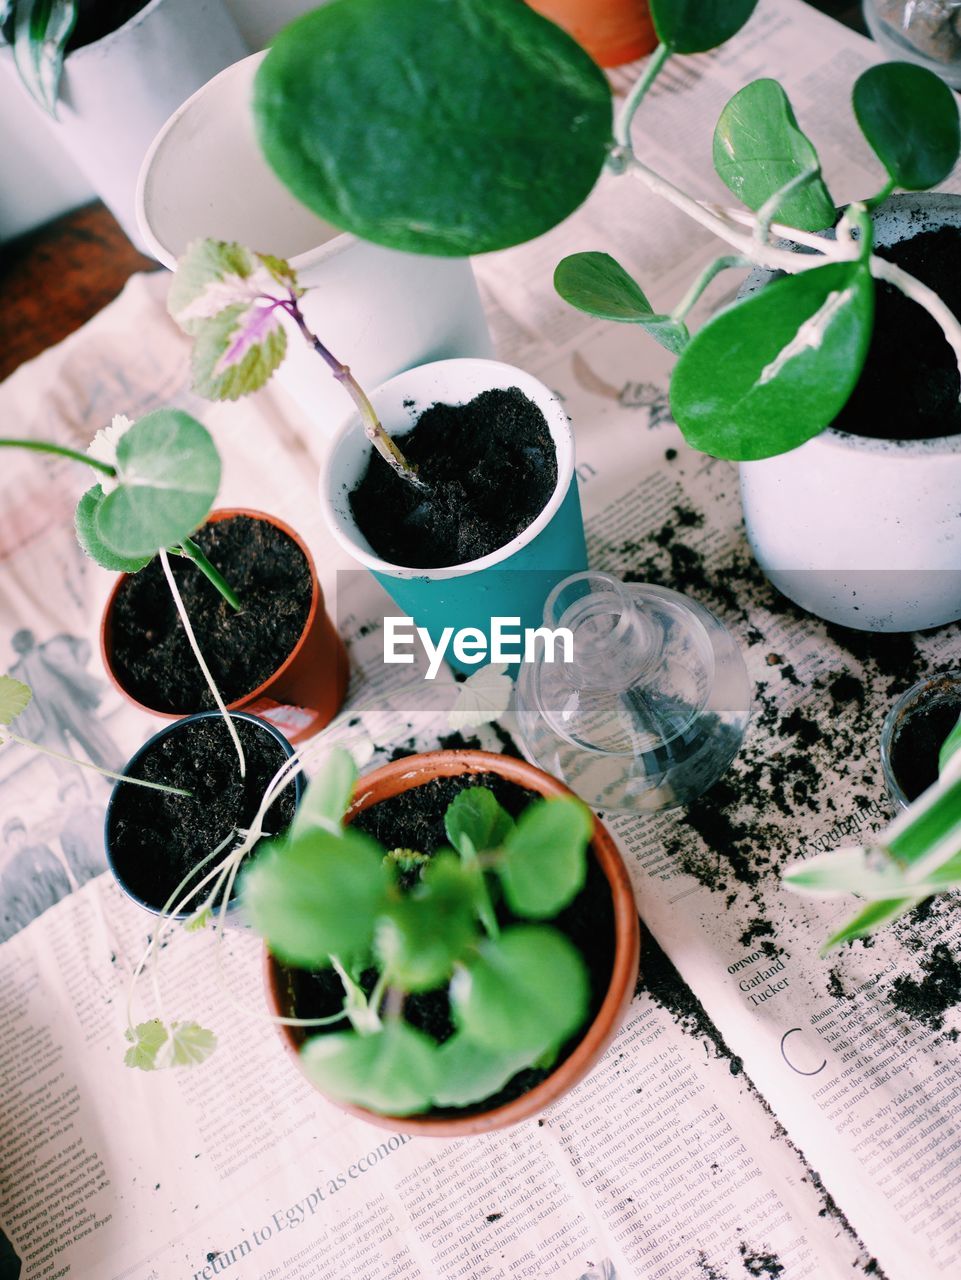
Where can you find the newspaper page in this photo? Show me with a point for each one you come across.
(666, 1161)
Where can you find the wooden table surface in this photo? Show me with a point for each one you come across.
(54, 279)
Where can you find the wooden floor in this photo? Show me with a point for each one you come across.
(54, 279)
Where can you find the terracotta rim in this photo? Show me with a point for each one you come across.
(413, 771)
(262, 690)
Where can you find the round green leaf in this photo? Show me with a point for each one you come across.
(598, 284)
(435, 127)
(773, 370)
(393, 1071)
(85, 523)
(422, 935)
(759, 149)
(475, 815)
(15, 696)
(469, 1072)
(524, 992)
(168, 472)
(910, 118)
(544, 861)
(692, 26)
(317, 896)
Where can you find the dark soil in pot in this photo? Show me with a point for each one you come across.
(909, 387)
(490, 467)
(156, 838)
(414, 820)
(918, 740)
(151, 656)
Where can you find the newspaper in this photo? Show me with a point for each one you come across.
(762, 1111)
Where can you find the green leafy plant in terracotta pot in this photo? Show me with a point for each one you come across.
(764, 377)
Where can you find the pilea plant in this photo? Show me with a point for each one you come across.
(522, 142)
(918, 855)
(232, 301)
(329, 896)
(158, 479)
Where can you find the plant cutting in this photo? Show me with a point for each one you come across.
(764, 376)
(918, 855)
(437, 970)
(488, 479)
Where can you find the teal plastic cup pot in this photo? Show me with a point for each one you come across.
(510, 583)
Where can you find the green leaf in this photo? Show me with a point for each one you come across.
(168, 474)
(147, 1038)
(759, 149)
(598, 284)
(85, 523)
(951, 744)
(237, 351)
(422, 935)
(869, 920)
(910, 118)
(188, 1045)
(393, 1071)
(934, 817)
(693, 26)
(469, 1072)
(773, 370)
(474, 815)
(460, 127)
(328, 795)
(41, 31)
(15, 697)
(212, 275)
(198, 921)
(524, 992)
(544, 862)
(482, 698)
(317, 896)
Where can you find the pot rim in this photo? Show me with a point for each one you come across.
(165, 732)
(350, 433)
(262, 690)
(337, 243)
(942, 686)
(411, 771)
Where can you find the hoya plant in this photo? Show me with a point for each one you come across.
(397, 923)
(918, 855)
(232, 303)
(512, 127)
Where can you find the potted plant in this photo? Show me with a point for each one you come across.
(913, 735)
(109, 72)
(482, 517)
(918, 855)
(764, 377)
(263, 633)
(454, 989)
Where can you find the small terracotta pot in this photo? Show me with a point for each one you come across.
(612, 31)
(413, 771)
(307, 689)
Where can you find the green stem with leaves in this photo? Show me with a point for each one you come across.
(190, 549)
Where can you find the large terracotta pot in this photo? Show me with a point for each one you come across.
(612, 31)
(414, 771)
(307, 689)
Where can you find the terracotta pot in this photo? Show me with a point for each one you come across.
(413, 771)
(307, 689)
(612, 31)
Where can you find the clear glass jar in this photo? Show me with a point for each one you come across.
(927, 32)
(913, 732)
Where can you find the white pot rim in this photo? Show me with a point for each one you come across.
(328, 249)
(501, 375)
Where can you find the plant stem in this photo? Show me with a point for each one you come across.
(765, 215)
(373, 428)
(622, 125)
(190, 549)
(704, 279)
(881, 269)
(7, 736)
(42, 446)
(192, 640)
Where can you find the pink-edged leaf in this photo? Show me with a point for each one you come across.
(237, 351)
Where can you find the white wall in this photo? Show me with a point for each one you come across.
(38, 180)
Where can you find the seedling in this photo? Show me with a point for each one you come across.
(525, 137)
(231, 301)
(329, 896)
(918, 855)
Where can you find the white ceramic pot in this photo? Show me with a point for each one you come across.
(117, 92)
(859, 531)
(513, 581)
(380, 311)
